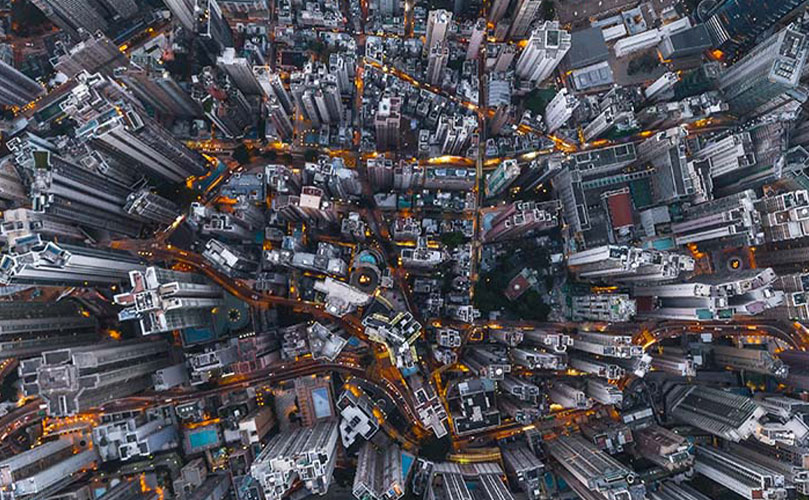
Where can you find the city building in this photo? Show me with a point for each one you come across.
(739, 474)
(545, 50)
(767, 72)
(308, 454)
(29, 328)
(80, 378)
(163, 300)
(387, 122)
(379, 473)
(628, 264)
(587, 469)
(67, 265)
(128, 435)
(473, 406)
(559, 110)
(438, 26)
(522, 464)
(724, 414)
(119, 129)
(44, 469)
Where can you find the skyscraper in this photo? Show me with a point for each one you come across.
(148, 80)
(42, 470)
(587, 468)
(524, 15)
(724, 295)
(740, 474)
(280, 120)
(438, 24)
(240, 71)
(543, 53)
(436, 64)
(79, 378)
(625, 263)
(163, 300)
(29, 328)
(118, 128)
(308, 454)
(724, 414)
(502, 177)
(726, 222)
(771, 69)
(272, 86)
(94, 53)
(379, 473)
(128, 435)
(228, 108)
(62, 188)
(559, 110)
(476, 39)
(52, 264)
(734, 25)
(387, 123)
(73, 15)
(151, 206)
(16, 89)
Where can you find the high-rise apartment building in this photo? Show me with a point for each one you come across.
(45, 469)
(128, 435)
(230, 110)
(79, 378)
(29, 328)
(524, 15)
(379, 473)
(545, 50)
(724, 414)
(502, 177)
(734, 25)
(272, 86)
(739, 474)
(476, 39)
(750, 360)
(387, 123)
(765, 73)
(67, 265)
(95, 53)
(559, 110)
(438, 26)
(150, 206)
(629, 264)
(726, 222)
(522, 464)
(748, 292)
(74, 15)
(62, 188)
(437, 63)
(118, 128)
(610, 307)
(240, 71)
(16, 89)
(519, 218)
(148, 80)
(308, 454)
(586, 467)
(163, 300)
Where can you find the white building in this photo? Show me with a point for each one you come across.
(545, 50)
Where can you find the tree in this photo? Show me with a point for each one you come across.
(548, 10)
(452, 239)
(643, 64)
(310, 155)
(241, 154)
